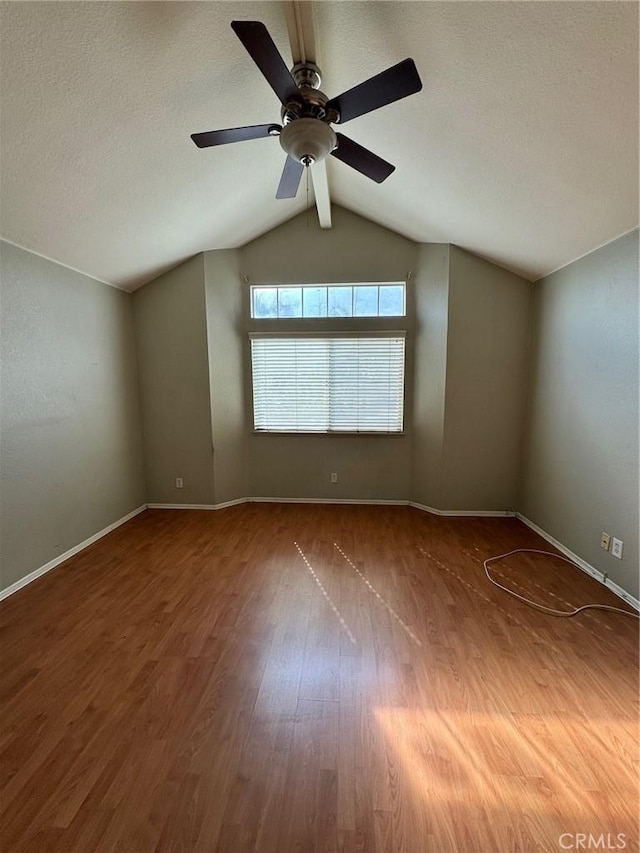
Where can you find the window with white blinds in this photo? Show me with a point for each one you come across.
(328, 382)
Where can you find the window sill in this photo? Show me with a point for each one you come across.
(376, 433)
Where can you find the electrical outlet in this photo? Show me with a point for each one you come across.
(605, 540)
(334, 477)
(179, 482)
(616, 548)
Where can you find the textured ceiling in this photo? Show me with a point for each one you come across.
(521, 147)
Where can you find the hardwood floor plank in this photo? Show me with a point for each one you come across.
(310, 819)
(190, 683)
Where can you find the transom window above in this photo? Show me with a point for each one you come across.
(378, 299)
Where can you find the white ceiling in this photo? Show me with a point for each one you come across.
(521, 147)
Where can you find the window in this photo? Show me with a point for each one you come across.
(336, 383)
(382, 299)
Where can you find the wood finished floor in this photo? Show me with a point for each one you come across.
(230, 681)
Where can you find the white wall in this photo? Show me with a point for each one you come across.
(581, 457)
(70, 440)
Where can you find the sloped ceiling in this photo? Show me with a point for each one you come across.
(522, 146)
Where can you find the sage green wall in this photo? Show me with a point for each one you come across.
(70, 440)
(581, 458)
(466, 330)
(226, 344)
(487, 351)
(431, 288)
(368, 467)
(173, 362)
(471, 355)
(72, 410)
(354, 249)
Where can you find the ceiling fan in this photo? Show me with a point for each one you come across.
(307, 114)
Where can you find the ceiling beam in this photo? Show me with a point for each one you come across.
(302, 38)
(302, 31)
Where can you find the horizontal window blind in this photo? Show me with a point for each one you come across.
(321, 383)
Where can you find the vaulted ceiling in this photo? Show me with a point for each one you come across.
(522, 146)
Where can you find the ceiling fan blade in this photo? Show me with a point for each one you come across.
(260, 47)
(391, 85)
(361, 159)
(235, 134)
(290, 180)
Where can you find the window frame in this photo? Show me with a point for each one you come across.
(353, 285)
(327, 326)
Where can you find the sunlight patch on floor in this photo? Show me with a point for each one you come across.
(514, 769)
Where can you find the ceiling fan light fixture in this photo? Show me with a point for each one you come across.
(308, 140)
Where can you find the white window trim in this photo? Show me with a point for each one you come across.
(358, 333)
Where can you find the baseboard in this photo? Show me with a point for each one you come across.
(223, 505)
(364, 501)
(452, 513)
(580, 563)
(27, 579)
(462, 513)
(278, 501)
(377, 502)
(622, 593)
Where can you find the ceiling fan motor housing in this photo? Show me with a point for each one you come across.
(307, 74)
(308, 140)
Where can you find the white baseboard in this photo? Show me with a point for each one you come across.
(453, 513)
(223, 505)
(622, 593)
(278, 501)
(9, 590)
(364, 501)
(581, 564)
(462, 513)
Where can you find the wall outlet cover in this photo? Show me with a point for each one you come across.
(616, 548)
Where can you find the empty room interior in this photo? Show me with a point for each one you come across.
(319, 441)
